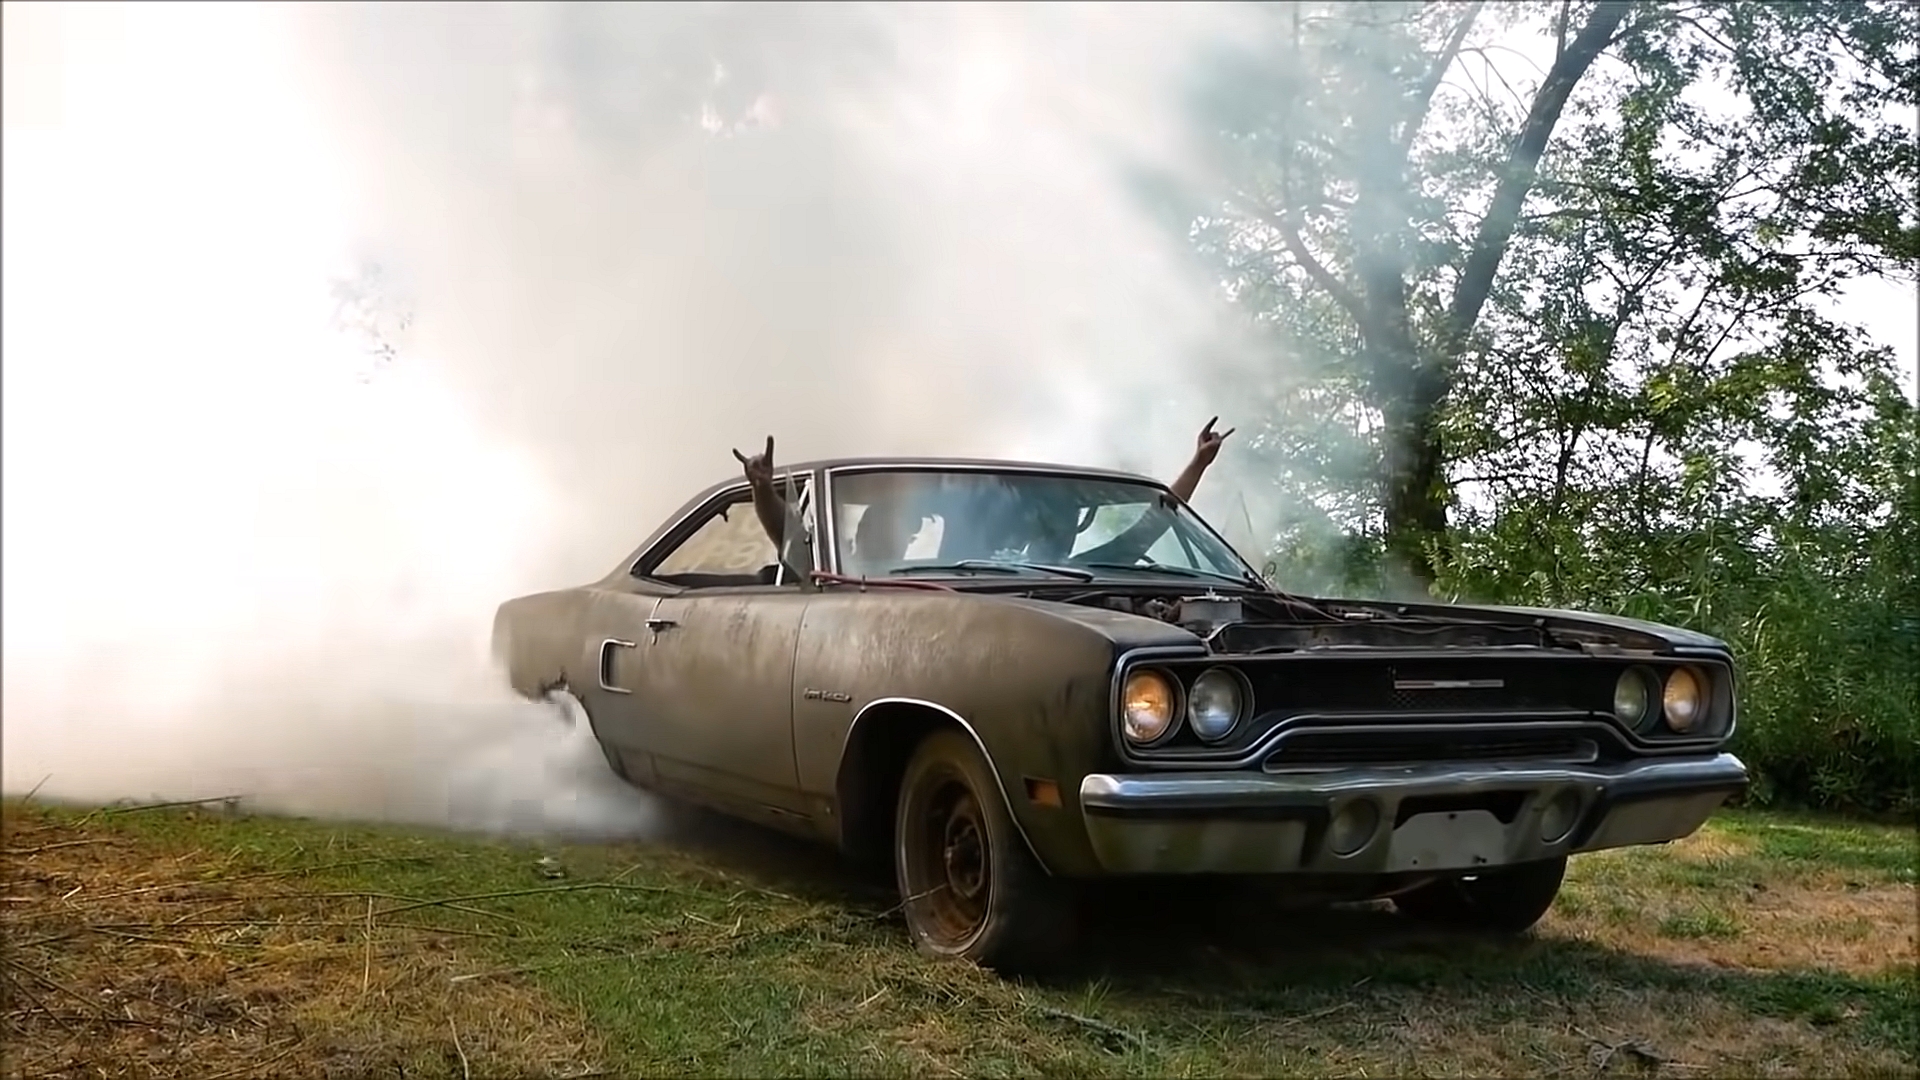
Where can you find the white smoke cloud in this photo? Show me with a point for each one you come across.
(630, 238)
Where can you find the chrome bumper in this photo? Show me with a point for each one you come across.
(1395, 820)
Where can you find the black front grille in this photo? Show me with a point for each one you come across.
(1429, 686)
(1447, 700)
(1497, 698)
(1360, 746)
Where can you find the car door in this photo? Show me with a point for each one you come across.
(712, 630)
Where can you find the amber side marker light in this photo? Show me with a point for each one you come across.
(1043, 792)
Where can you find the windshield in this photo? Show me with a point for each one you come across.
(926, 521)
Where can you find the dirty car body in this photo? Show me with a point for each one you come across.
(1088, 683)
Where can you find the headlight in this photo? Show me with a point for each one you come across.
(1214, 704)
(1147, 706)
(1684, 700)
(1632, 697)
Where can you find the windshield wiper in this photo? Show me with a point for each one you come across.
(1175, 571)
(994, 568)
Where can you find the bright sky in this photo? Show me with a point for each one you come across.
(1890, 312)
(178, 412)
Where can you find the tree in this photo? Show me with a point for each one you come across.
(1564, 340)
(1393, 189)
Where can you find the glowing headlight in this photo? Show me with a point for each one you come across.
(1632, 698)
(1147, 706)
(1684, 700)
(1214, 703)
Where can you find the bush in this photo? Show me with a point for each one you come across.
(1824, 625)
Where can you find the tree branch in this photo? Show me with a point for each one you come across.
(1708, 34)
(1494, 70)
(1418, 116)
(1501, 478)
(1484, 96)
(1666, 16)
(1290, 237)
(1496, 229)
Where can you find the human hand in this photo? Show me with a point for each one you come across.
(759, 467)
(1207, 446)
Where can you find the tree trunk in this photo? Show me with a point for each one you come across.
(1414, 475)
(1414, 481)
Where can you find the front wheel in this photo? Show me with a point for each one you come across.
(968, 884)
(1505, 901)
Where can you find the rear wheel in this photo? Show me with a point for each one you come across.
(568, 709)
(1505, 901)
(969, 886)
(572, 713)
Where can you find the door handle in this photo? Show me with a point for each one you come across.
(606, 665)
(655, 623)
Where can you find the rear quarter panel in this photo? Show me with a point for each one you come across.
(537, 637)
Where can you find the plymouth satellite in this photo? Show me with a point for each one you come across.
(1066, 676)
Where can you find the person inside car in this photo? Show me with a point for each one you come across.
(1053, 533)
(885, 530)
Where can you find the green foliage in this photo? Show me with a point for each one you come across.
(1653, 412)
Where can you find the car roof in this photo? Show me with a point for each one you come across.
(969, 464)
(878, 463)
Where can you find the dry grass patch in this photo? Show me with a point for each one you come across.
(1752, 893)
(1711, 845)
(126, 957)
(1860, 932)
(1683, 1034)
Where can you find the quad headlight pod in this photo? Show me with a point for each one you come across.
(1684, 700)
(1215, 704)
(1633, 696)
(1148, 707)
(1677, 699)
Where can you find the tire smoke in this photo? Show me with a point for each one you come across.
(246, 552)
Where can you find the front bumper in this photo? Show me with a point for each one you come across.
(1423, 818)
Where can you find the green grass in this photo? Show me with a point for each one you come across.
(1700, 923)
(1819, 842)
(729, 952)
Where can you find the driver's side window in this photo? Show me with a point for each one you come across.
(728, 548)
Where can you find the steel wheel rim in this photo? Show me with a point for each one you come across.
(950, 864)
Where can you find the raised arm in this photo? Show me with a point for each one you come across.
(1205, 448)
(1134, 541)
(767, 503)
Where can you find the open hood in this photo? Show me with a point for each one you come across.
(1245, 622)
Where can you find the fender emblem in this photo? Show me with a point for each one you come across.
(1449, 684)
(824, 695)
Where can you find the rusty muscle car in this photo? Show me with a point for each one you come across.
(1052, 677)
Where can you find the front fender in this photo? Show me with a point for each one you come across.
(1030, 683)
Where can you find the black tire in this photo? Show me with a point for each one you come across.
(1505, 901)
(574, 714)
(969, 887)
(618, 767)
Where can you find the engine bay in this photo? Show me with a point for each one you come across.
(1242, 622)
